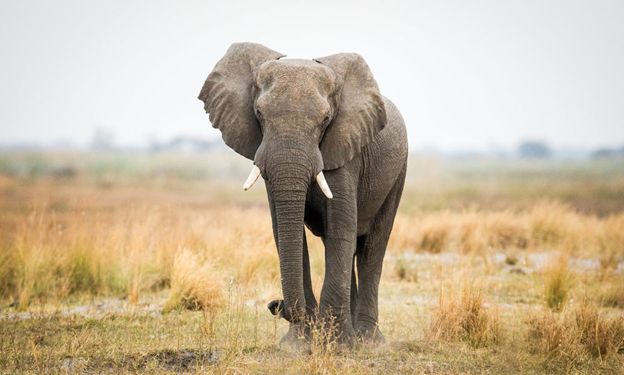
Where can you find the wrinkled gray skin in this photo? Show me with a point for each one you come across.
(295, 118)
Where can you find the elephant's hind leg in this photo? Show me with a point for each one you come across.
(369, 260)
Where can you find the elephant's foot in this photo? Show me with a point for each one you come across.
(346, 339)
(297, 339)
(370, 335)
(331, 330)
(324, 331)
(298, 336)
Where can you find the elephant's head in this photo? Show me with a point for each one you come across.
(294, 119)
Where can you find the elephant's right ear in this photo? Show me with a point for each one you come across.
(228, 98)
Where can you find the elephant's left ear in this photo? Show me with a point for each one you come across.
(361, 113)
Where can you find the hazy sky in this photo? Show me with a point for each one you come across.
(465, 74)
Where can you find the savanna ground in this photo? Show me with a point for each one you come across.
(160, 263)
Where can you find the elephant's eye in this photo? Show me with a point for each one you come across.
(258, 114)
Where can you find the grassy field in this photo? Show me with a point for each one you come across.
(160, 263)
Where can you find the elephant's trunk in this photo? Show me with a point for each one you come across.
(290, 175)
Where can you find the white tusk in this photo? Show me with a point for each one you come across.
(320, 179)
(253, 177)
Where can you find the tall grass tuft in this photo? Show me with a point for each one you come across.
(577, 332)
(462, 315)
(611, 241)
(558, 281)
(195, 284)
(434, 237)
(549, 334)
(507, 230)
(472, 235)
(555, 225)
(600, 335)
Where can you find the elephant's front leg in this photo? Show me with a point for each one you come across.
(340, 242)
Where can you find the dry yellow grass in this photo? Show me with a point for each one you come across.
(53, 255)
(550, 335)
(547, 226)
(577, 332)
(197, 246)
(195, 284)
(599, 334)
(462, 315)
(95, 245)
(612, 294)
(507, 230)
(557, 282)
(611, 239)
(473, 238)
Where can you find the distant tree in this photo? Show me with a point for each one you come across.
(602, 153)
(184, 143)
(608, 153)
(534, 150)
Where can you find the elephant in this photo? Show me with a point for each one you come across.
(333, 154)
